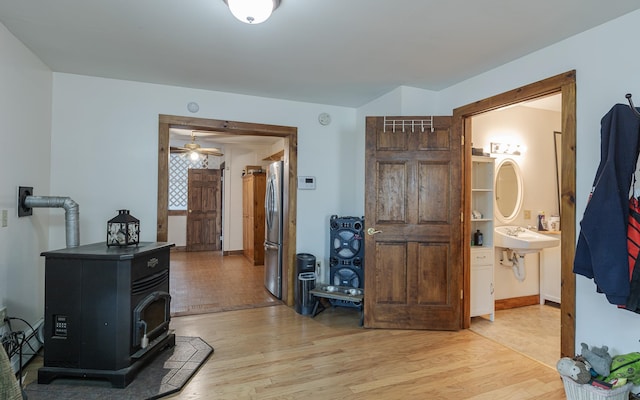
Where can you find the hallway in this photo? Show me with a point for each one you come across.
(207, 282)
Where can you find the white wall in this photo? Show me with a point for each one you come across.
(121, 119)
(607, 69)
(533, 129)
(177, 230)
(238, 160)
(25, 112)
(104, 150)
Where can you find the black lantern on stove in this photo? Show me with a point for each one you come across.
(123, 229)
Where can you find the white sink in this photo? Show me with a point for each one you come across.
(522, 240)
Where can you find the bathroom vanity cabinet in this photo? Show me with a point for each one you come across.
(482, 291)
(482, 256)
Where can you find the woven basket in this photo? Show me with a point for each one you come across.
(9, 386)
(576, 391)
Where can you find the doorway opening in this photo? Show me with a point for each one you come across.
(525, 293)
(565, 84)
(288, 134)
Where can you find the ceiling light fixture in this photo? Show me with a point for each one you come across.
(252, 11)
(505, 148)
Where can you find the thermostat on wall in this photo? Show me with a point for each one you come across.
(306, 183)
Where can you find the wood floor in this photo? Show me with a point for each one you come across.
(532, 330)
(274, 353)
(207, 281)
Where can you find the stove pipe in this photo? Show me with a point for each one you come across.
(71, 216)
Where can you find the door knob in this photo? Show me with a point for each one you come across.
(190, 211)
(372, 231)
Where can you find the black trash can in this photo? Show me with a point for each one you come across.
(304, 301)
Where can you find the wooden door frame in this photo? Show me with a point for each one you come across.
(290, 171)
(566, 85)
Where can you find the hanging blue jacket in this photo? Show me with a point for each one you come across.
(601, 252)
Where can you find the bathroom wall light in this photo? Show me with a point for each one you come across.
(252, 11)
(505, 148)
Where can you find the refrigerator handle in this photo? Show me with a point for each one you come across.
(268, 204)
(269, 246)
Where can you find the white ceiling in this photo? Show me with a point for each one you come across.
(338, 52)
(549, 103)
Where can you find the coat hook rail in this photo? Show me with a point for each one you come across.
(404, 124)
(633, 108)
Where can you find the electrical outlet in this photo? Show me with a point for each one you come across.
(5, 218)
(527, 214)
(3, 315)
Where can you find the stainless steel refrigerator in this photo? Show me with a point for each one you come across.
(273, 230)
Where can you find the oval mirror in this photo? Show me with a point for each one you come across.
(508, 190)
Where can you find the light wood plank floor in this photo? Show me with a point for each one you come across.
(205, 282)
(274, 353)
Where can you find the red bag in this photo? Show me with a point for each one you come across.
(633, 248)
(633, 234)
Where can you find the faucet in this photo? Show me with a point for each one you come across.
(514, 231)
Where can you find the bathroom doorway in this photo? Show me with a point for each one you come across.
(527, 293)
(563, 84)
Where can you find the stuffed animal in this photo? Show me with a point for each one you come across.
(625, 366)
(575, 370)
(598, 357)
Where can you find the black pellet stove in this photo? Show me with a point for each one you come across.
(102, 306)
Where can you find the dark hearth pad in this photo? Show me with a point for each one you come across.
(167, 373)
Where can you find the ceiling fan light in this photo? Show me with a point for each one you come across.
(192, 146)
(194, 156)
(252, 11)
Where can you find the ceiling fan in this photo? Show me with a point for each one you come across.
(194, 147)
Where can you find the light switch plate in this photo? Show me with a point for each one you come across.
(5, 219)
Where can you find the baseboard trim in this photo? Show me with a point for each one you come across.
(515, 302)
(233, 253)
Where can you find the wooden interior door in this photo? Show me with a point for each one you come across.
(413, 206)
(204, 215)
